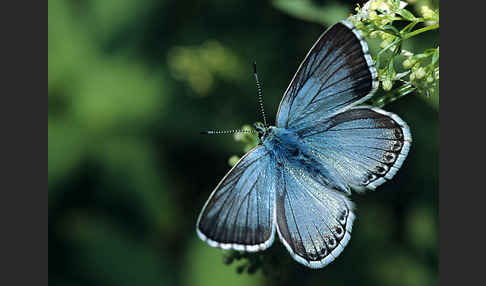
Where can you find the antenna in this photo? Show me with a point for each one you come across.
(260, 96)
(227, 131)
(260, 100)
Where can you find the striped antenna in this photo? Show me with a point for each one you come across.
(227, 131)
(260, 96)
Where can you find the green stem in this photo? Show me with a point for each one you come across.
(421, 30)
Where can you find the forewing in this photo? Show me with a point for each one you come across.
(313, 221)
(365, 145)
(239, 214)
(337, 73)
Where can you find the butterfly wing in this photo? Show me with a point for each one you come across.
(365, 145)
(240, 213)
(337, 73)
(314, 222)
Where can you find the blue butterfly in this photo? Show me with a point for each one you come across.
(296, 182)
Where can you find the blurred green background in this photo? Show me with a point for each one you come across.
(131, 84)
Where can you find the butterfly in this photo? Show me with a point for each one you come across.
(296, 182)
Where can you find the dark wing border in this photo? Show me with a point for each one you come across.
(236, 246)
(369, 61)
(407, 140)
(336, 251)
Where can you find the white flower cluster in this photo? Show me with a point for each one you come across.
(386, 7)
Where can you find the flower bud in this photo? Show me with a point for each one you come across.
(407, 63)
(420, 73)
(387, 84)
(427, 12)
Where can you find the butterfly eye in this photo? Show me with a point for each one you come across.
(339, 231)
(389, 157)
(323, 252)
(331, 241)
(397, 146)
(398, 134)
(382, 169)
(342, 217)
(318, 254)
(369, 178)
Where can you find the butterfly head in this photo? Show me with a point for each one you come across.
(261, 129)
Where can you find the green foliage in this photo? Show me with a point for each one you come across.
(271, 263)
(389, 27)
(393, 25)
(248, 140)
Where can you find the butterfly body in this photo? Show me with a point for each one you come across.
(282, 143)
(287, 148)
(296, 182)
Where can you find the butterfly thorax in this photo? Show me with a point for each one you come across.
(284, 144)
(287, 148)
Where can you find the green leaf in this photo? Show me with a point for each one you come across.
(394, 31)
(435, 57)
(391, 69)
(407, 15)
(409, 27)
